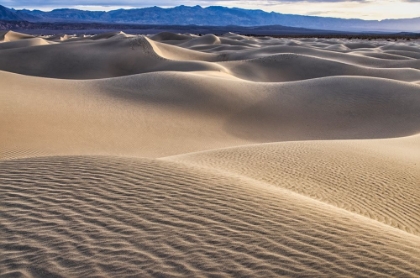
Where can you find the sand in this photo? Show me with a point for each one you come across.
(177, 155)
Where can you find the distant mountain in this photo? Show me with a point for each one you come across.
(213, 16)
(11, 14)
(6, 14)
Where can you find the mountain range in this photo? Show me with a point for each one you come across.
(210, 16)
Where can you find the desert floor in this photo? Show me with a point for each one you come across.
(176, 155)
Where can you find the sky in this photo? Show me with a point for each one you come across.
(364, 9)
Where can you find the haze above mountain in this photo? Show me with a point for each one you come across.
(213, 16)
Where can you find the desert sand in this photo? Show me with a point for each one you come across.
(177, 155)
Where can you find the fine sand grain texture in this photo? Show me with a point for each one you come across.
(178, 155)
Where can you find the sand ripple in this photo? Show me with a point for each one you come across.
(106, 216)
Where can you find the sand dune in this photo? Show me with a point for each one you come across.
(160, 114)
(300, 67)
(179, 155)
(24, 43)
(10, 36)
(102, 58)
(358, 176)
(171, 52)
(171, 37)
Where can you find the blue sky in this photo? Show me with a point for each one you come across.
(366, 9)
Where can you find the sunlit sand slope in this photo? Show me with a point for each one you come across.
(375, 178)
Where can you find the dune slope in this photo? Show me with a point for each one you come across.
(359, 176)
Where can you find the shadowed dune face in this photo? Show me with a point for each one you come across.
(332, 108)
(180, 155)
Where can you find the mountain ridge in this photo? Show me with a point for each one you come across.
(213, 15)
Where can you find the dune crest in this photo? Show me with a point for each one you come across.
(10, 36)
(183, 155)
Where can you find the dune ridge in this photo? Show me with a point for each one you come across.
(178, 155)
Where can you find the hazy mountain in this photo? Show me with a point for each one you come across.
(11, 14)
(216, 16)
(6, 14)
